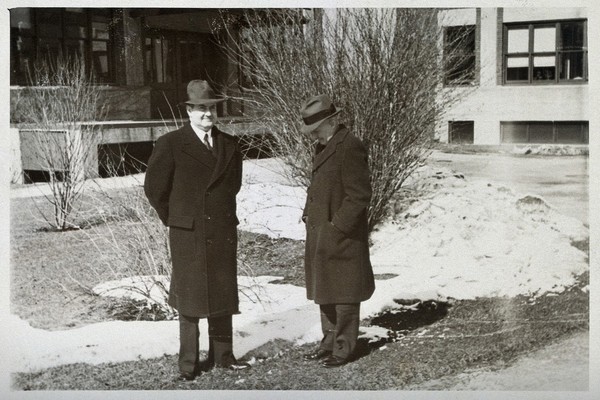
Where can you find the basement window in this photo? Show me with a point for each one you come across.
(543, 132)
(461, 132)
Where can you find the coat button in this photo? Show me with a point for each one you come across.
(207, 217)
(208, 242)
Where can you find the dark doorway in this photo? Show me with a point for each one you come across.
(171, 60)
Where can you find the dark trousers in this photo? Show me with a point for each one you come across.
(339, 323)
(220, 343)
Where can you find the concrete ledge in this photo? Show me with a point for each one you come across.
(516, 149)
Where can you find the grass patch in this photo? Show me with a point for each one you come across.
(483, 333)
(51, 270)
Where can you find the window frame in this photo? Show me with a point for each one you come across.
(558, 53)
(469, 29)
(63, 40)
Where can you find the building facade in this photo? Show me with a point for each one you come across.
(525, 81)
(142, 60)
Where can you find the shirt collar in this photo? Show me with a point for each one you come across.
(200, 133)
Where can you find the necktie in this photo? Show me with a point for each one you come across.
(207, 143)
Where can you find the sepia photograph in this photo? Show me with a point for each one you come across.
(334, 199)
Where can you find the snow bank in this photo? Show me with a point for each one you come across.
(474, 239)
(460, 240)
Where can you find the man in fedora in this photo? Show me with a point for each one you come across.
(338, 270)
(192, 180)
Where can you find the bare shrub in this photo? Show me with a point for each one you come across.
(61, 105)
(131, 249)
(383, 67)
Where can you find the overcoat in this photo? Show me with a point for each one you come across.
(194, 194)
(337, 265)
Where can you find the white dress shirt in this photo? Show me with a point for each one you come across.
(201, 134)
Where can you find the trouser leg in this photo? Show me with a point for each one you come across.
(188, 343)
(220, 341)
(340, 328)
(346, 329)
(328, 320)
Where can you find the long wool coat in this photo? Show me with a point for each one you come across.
(194, 193)
(337, 264)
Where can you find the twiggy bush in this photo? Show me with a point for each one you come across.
(132, 247)
(59, 108)
(383, 67)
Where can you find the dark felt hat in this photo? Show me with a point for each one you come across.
(200, 92)
(316, 110)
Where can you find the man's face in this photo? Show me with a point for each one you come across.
(323, 131)
(202, 116)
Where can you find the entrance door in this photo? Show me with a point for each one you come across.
(172, 59)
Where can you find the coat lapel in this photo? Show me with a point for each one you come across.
(331, 147)
(225, 150)
(195, 148)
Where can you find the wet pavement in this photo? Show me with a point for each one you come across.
(562, 366)
(561, 180)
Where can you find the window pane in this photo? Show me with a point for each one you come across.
(518, 40)
(461, 131)
(21, 60)
(546, 61)
(544, 39)
(75, 48)
(75, 24)
(100, 30)
(540, 132)
(571, 66)
(572, 35)
(100, 67)
(513, 132)
(517, 62)
(571, 132)
(21, 20)
(517, 69)
(192, 66)
(158, 63)
(459, 55)
(544, 68)
(169, 61)
(48, 21)
(163, 59)
(49, 48)
(148, 64)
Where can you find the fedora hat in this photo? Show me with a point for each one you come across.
(200, 92)
(316, 110)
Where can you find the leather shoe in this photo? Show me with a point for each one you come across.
(317, 355)
(186, 376)
(238, 366)
(334, 362)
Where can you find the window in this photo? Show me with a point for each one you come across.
(560, 132)
(47, 33)
(160, 60)
(461, 132)
(545, 53)
(459, 55)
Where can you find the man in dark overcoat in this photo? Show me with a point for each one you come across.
(338, 270)
(193, 176)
